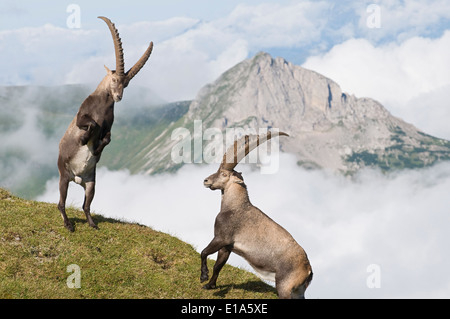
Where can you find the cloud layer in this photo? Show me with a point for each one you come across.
(397, 222)
(410, 78)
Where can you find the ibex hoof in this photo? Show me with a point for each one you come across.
(204, 277)
(69, 226)
(209, 286)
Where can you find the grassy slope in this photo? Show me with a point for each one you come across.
(120, 260)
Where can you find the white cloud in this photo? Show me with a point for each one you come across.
(272, 25)
(206, 49)
(395, 74)
(400, 20)
(388, 72)
(397, 221)
(188, 53)
(430, 111)
(26, 149)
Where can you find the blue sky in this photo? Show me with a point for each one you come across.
(29, 13)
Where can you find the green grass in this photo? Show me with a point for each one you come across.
(119, 260)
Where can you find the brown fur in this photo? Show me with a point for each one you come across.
(90, 131)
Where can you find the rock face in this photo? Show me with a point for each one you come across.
(328, 128)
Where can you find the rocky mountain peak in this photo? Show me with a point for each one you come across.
(328, 128)
(280, 94)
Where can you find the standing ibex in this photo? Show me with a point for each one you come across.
(243, 229)
(90, 131)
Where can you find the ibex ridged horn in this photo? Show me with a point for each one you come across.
(120, 64)
(243, 146)
(140, 63)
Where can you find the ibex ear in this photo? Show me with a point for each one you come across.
(107, 70)
(237, 178)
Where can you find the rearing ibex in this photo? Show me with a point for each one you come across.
(243, 229)
(90, 131)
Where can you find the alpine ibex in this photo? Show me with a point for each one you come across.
(245, 230)
(90, 131)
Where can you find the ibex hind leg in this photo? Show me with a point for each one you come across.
(290, 287)
(298, 291)
(89, 196)
(63, 187)
(283, 289)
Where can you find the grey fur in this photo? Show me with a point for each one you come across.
(245, 230)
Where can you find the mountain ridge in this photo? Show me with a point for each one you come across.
(329, 129)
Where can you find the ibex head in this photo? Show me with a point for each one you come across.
(221, 178)
(234, 154)
(118, 79)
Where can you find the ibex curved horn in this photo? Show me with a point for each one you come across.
(120, 64)
(243, 146)
(140, 63)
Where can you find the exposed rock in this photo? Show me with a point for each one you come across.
(328, 128)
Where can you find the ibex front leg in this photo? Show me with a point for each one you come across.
(222, 257)
(103, 142)
(86, 123)
(217, 244)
